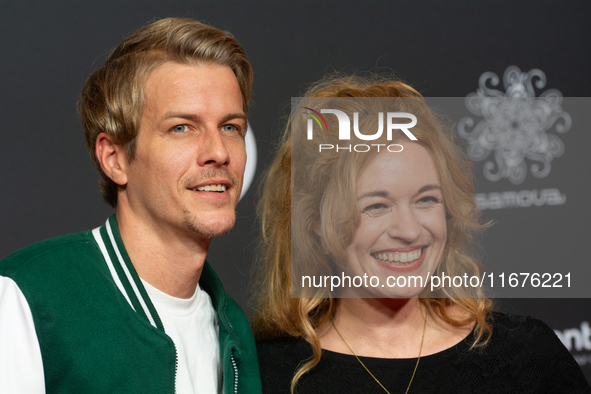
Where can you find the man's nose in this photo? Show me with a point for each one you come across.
(213, 149)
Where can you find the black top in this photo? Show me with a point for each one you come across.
(523, 356)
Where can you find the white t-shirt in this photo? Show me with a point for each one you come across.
(193, 326)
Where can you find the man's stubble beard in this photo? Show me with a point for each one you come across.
(193, 224)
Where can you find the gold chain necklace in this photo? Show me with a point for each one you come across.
(374, 378)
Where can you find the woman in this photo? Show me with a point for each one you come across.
(388, 208)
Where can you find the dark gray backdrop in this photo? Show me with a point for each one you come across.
(49, 186)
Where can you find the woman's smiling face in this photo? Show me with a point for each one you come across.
(402, 229)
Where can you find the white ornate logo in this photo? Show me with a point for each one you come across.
(514, 125)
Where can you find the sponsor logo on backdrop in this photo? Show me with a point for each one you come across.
(514, 130)
(345, 129)
(578, 341)
(251, 160)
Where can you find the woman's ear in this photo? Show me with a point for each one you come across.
(317, 231)
(113, 159)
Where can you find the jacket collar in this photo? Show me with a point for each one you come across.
(123, 272)
(130, 285)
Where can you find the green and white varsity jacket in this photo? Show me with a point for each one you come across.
(75, 318)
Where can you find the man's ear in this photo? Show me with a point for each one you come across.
(113, 159)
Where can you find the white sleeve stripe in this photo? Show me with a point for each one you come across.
(129, 277)
(97, 236)
(21, 363)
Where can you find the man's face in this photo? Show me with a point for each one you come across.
(186, 176)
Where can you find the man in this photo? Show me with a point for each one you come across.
(132, 306)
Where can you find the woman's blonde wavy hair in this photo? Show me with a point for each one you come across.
(320, 206)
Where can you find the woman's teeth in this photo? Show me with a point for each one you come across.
(399, 257)
(212, 188)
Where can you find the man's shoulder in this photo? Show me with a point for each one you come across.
(231, 317)
(234, 331)
(225, 306)
(54, 254)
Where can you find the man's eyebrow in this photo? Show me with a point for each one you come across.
(237, 115)
(197, 118)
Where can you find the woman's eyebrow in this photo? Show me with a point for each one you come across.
(375, 193)
(429, 187)
(383, 193)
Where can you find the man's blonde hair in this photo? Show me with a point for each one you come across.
(112, 98)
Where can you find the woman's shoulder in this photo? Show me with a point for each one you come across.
(525, 330)
(517, 335)
(284, 346)
(523, 346)
(279, 359)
